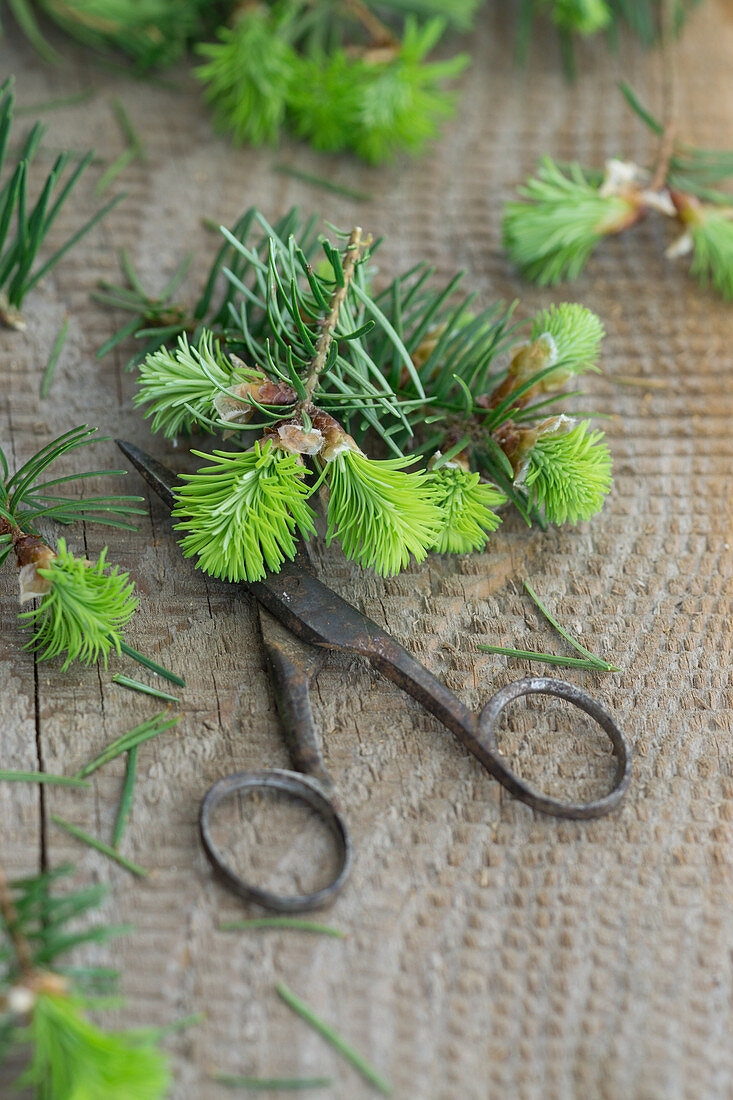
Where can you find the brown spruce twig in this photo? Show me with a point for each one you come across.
(354, 248)
(9, 915)
(670, 96)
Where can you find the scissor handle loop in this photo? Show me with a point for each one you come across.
(541, 685)
(301, 788)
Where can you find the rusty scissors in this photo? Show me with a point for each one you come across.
(301, 620)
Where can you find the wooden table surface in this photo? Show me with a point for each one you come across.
(491, 951)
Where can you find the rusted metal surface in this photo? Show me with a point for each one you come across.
(303, 788)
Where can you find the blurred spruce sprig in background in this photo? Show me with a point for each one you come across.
(564, 212)
(44, 1003)
(372, 76)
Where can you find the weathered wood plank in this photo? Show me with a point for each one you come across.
(491, 951)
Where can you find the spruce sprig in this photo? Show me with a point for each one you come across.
(243, 513)
(84, 610)
(181, 388)
(335, 74)
(380, 512)
(24, 227)
(82, 606)
(45, 1003)
(466, 505)
(565, 211)
(566, 468)
(331, 365)
(562, 216)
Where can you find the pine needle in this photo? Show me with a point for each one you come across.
(43, 777)
(588, 661)
(128, 793)
(322, 182)
(148, 663)
(546, 658)
(99, 846)
(144, 732)
(264, 1084)
(146, 689)
(56, 104)
(597, 661)
(337, 1042)
(282, 922)
(135, 149)
(53, 358)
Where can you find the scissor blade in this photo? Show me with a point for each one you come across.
(158, 476)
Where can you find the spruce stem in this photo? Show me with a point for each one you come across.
(669, 96)
(328, 324)
(10, 918)
(380, 32)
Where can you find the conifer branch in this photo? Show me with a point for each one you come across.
(82, 606)
(324, 363)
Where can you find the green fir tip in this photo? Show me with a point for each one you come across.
(466, 504)
(575, 334)
(179, 386)
(712, 243)
(380, 512)
(586, 17)
(552, 232)
(568, 471)
(72, 1059)
(85, 610)
(242, 513)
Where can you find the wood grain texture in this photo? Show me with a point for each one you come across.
(491, 951)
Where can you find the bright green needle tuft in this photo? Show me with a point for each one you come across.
(75, 1060)
(242, 512)
(466, 505)
(552, 233)
(575, 334)
(403, 101)
(249, 72)
(84, 611)
(326, 100)
(381, 513)
(567, 471)
(584, 16)
(179, 386)
(710, 230)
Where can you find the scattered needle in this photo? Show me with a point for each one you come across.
(128, 793)
(282, 922)
(588, 661)
(263, 1084)
(642, 383)
(100, 846)
(43, 777)
(53, 358)
(147, 663)
(130, 740)
(325, 184)
(146, 689)
(332, 1036)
